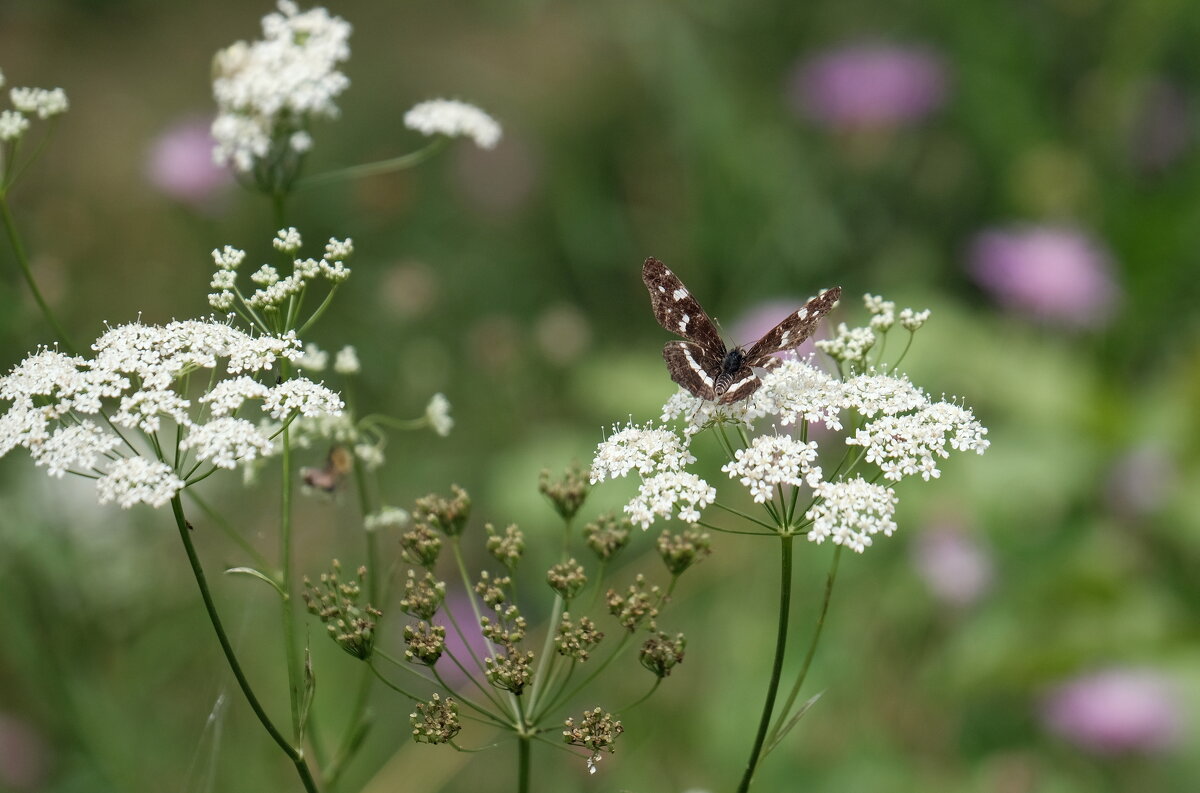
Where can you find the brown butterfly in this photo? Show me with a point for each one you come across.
(703, 364)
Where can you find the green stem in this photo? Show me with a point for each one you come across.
(785, 602)
(555, 615)
(812, 650)
(523, 744)
(294, 754)
(285, 564)
(376, 168)
(14, 239)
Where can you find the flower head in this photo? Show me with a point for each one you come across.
(850, 512)
(437, 414)
(180, 164)
(268, 91)
(454, 119)
(1115, 711)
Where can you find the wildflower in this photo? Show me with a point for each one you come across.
(681, 551)
(227, 441)
(1115, 711)
(425, 642)
(906, 445)
(597, 731)
(135, 480)
(336, 602)
(850, 512)
(301, 396)
(669, 493)
(437, 415)
(180, 164)
(12, 125)
(387, 517)
(576, 640)
(773, 461)
(795, 391)
(849, 345)
(512, 671)
(454, 119)
(45, 103)
(607, 535)
(314, 358)
(1059, 275)
(447, 514)
(268, 91)
(346, 361)
(869, 85)
(435, 721)
(644, 449)
(420, 546)
(507, 550)
(567, 494)
(660, 653)
(636, 606)
(954, 565)
(567, 579)
(422, 597)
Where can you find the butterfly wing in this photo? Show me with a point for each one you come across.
(686, 364)
(794, 330)
(679, 312)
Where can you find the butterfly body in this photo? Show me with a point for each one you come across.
(704, 365)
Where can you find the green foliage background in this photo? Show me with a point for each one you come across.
(509, 281)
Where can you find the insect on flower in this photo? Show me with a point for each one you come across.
(703, 364)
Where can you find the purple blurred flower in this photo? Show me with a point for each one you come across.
(957, 569)
(1161, 131)
(869, 84)
(1115, 711)
(180, 164)
(476, 645)
(24, 756)
(1056, 274)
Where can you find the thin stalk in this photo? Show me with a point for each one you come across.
(10, 227)
(812, 648)
(375, 168)
(285, 564)
(785, 603)
(523, 744)
(294, 754)
(744, 516)
(548, 645)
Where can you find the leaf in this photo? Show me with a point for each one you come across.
(793, 721)
(260, 575)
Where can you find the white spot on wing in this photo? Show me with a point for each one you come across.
(680, 293)
(787, 334)
(683, 322)
(662, 288)
(802, 313)
(697, 368)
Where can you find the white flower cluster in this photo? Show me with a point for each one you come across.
(69, 411)
(394, 517)
(454, 119)
(850, 512)
(894, 426)
(268, 91)
(773, 461)
(275, 290)
(437, 413)
(41, 102)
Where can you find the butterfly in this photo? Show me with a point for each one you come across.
(703, 364)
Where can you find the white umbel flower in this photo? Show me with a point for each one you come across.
(670, 493)
(303, 396)
(12, 125)
(42, 102)
(848, 344)
(267, 91)
(437, 413)
(227, 396)
(454, 119)
(772, 461)
(798, 391)
(642, 449)
(872, 393)
(849, 513)
(137, 480)
(346, 361)
(74, 448)
(227, 441)
(910, 444)
(394, 517)
(314, 358)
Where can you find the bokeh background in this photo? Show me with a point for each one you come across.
(1028, 170)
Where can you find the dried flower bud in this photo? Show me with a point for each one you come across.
(426, 642)
(660, 653)
(423, 597)
(335, 602)
(511, 671)
(448, 515)
(491, 590)
(576, 641)
(681, 551)
(508, 631)
(567, 579)
(420, 546)
(567, 494)
(435, 721)
(507, 550)
(638, 605)
(597, 731)
(607, 535)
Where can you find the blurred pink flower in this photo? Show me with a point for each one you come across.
(476, 645)
(1115, 711)
(957, 569)
(869, 84)
(1056, 274)
(24, 756)
(180, 164)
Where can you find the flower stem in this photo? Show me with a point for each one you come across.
(294, 754)
(523, 744)
(285, 564)
(785, 602)
(10, 227)
(376, 168)
(776, 731)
